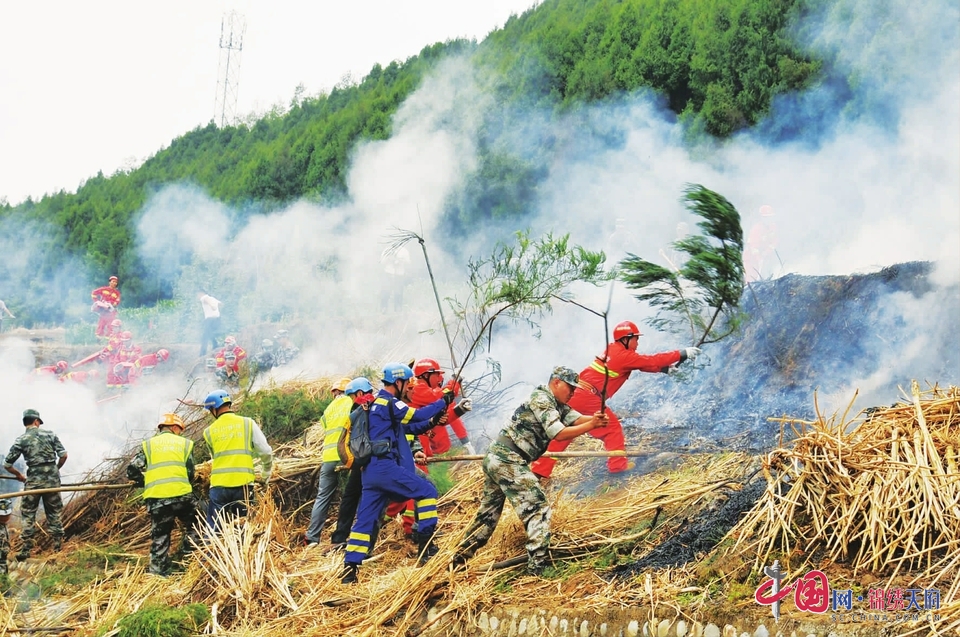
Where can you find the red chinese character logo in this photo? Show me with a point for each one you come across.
(812, 592)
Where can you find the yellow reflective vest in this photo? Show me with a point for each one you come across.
(166, 475)
(230, 439)
(336, 418)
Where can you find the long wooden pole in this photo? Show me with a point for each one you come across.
(98, 487)
(559, 455)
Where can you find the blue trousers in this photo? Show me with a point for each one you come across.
(231, 501)
(384, 480)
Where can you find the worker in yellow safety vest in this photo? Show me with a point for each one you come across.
(336, 417)
(234, 441)
(164, 467)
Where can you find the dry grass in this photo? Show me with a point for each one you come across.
(844, 489)
(879, 493)
(254, 584)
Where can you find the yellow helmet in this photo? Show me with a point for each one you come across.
(341, 384)
(171, 419)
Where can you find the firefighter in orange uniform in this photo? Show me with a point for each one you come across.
(145, 365)
(622, 359)
(429, 388)
(106, 299)
(121, 363)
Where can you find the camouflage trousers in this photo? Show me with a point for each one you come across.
(4, 548)
(41, 477)
(508, 477)
(163, 517)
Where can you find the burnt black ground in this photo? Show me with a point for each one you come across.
(699, 535)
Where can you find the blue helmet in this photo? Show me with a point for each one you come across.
(216, 399)
(358, 384)
(392, 372)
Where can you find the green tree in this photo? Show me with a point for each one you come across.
(704, 293)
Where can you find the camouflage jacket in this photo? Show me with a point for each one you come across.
(537, 421)
(135, 471)
(40, 448)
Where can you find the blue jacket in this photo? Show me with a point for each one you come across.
(405, 418)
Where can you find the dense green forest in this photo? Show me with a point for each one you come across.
(718, 64)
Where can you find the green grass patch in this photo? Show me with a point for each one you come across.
(164, 621)
(77, 569)
(283, 415)
(81, 334)
(441, 477)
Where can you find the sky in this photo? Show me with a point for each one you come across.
(103, 85)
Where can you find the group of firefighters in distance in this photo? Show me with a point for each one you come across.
(124, 360)
(406, 422)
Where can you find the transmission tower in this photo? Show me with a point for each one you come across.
(232, 28)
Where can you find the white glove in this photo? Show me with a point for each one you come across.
(465, 404)
(691, 353)
(468, 446)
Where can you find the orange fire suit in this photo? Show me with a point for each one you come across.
(122, 356)
(437, 440)
(621, 362)
(106, 294)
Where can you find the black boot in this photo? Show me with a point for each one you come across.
(458, 563)
(426, 547)
(57, 543)
(349, 574)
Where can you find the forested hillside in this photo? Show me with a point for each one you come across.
(718, 64)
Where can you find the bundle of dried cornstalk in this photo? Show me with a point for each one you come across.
(880, 491)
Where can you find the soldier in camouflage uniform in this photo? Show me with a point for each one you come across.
(44, 455)
(544, 417)
(164, 465)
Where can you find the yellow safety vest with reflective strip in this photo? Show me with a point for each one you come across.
(166, 474)
(230, 439)
(600, 367)
(336, 418)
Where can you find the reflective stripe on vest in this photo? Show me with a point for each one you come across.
(335, 418)
(166, 474)
(600, 367)
(230, 439)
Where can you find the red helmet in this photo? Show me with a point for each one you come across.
(62, 366)
(113, 278)
(115, 323)
(625, 329)
(425, 366)
(126, 336)
(163, 354)
(229, 341)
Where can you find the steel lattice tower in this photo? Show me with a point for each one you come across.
(232, 28)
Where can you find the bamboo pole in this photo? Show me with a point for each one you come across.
(98, 487)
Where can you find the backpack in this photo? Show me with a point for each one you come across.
(354, 446)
